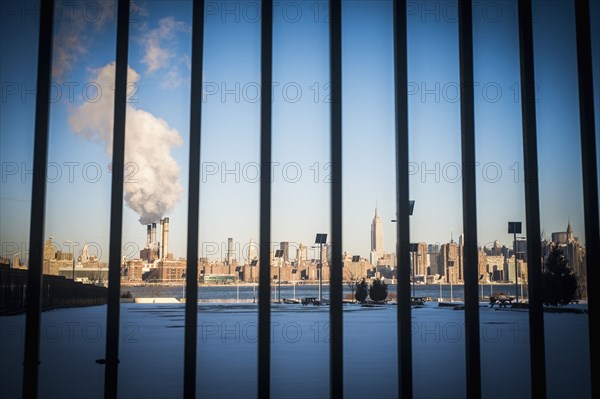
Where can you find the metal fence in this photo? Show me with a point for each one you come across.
(34, 298)
(57, 291)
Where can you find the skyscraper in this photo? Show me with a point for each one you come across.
(285, 247)
(302, 253)
(251, 251)
(229, 251)
(377, 235)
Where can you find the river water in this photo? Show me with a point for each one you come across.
(249, 293)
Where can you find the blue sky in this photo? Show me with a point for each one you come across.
(78, 206)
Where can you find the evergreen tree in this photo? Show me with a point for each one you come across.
(361, 291)
(378, 291)
(559, 281)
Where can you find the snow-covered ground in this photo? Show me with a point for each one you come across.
(151, 352)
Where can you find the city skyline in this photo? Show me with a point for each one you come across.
(79, 151)
(246, 250)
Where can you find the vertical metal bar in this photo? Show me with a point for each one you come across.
(264, 278)
(469, 197)
(191, 276)
(532, 203)
(588, 159)
(405, 382)
(116, 204)
(38, 203)
(336, 359)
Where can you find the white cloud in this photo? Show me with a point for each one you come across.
(72, 39)
(173, 79)
(157, 42)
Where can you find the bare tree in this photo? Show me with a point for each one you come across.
(351, 282)
(96, 278)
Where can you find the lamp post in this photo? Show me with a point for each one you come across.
(252, 266)
(294, 280)
(320, 239)
(491, 278)
(238, 270)
(481, 284)
(411, 208)
(519, 256)
(450, 265)
(183, 275)
(73, 254)
(515, 228)
(440, 280)
(279, 255)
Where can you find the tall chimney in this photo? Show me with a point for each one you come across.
(149, 236)
(165, 238)
(153, 236)
(162, 235)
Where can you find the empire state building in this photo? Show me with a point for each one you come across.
(376, 236)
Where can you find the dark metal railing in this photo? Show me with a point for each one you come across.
(405, 382)
(469, 197)
(532, 203)
(116, 204)
(191, 282)
(589, 165)
(336, 355)
(38, 202)
(264, 273)
(56, 291)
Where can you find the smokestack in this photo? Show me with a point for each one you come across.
(149, 236)
(165, 238)
(162, 234)
(153, 235)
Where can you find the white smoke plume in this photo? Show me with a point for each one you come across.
(152, 186)
(75, 24)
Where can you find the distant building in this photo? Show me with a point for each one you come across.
(433, 254)
(496, 249)
(420, 260)
(230, 251)
(521, 270)
(302, 253)
(495, 263)
(449, 262)
(559, 238)
(285, 247)
(482, 265)
(388, 260)
(377, 235)
(55, 260)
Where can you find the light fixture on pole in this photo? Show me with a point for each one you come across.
(481, 284)
(279, 255)
(320, 239)
(238, 269)
(294, 281)
(253, 264)
(73, 254)
(411, 208)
